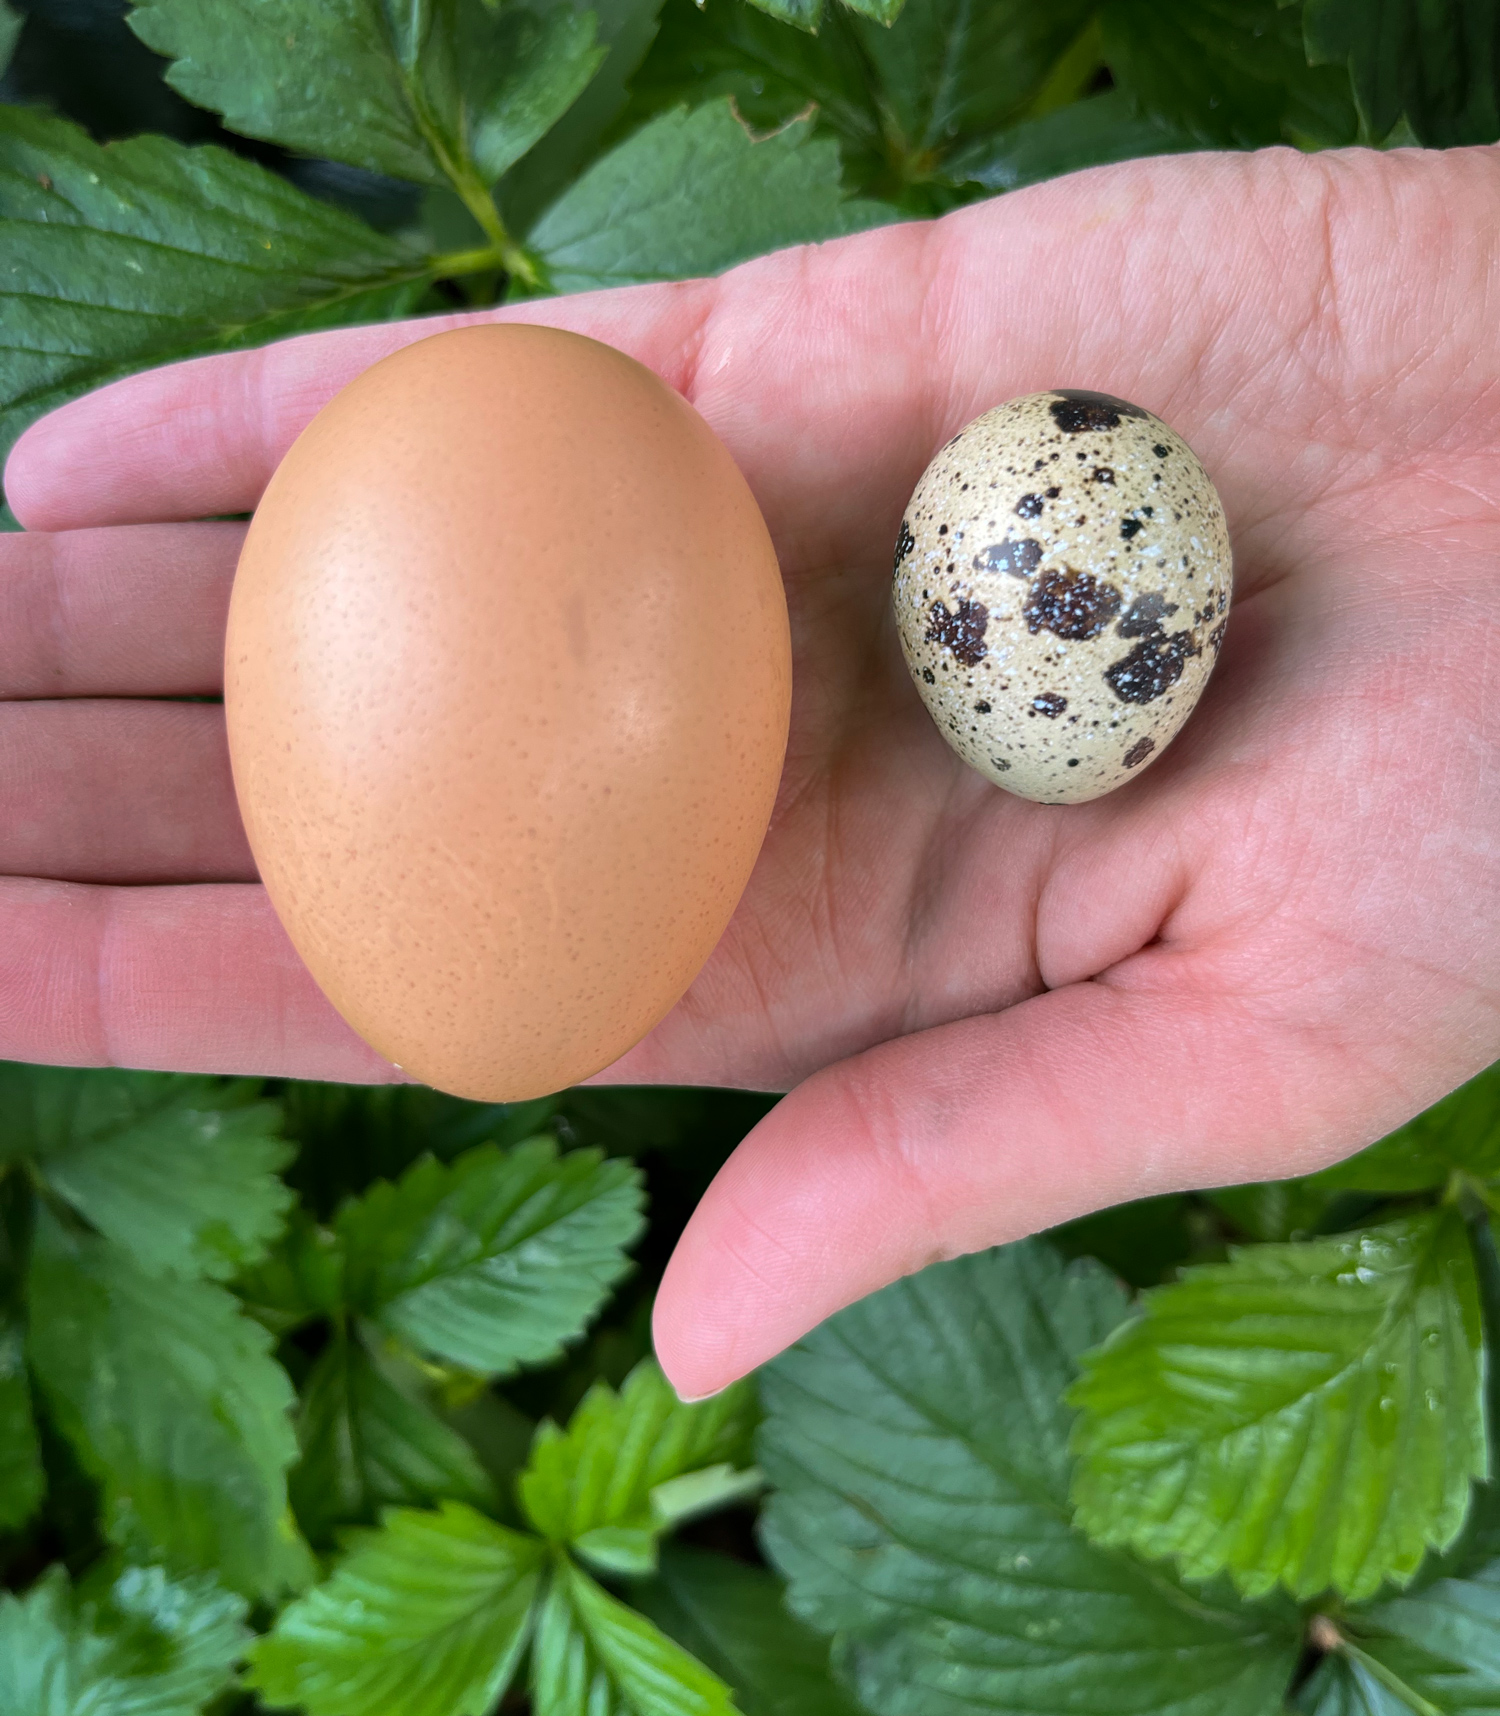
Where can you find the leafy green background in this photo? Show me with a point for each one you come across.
(341, 1400)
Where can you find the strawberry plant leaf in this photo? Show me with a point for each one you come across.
(879, 11)
(901, 101)
(1436, 1651)
(426, 1616)
(951, 70)
(173, 1402)
(150, 1646)
(1435, 62)
(350, 1136)
(453, 92)
(21, 1478)
(1230, 72)
(1459, 1134)
(732, 1618)
(917, 1448)
(11, 24)
(1273, 1210)
(691, 194)
(1088, 133)
(1308, 1414)
(180, 1171)
(804, 14)
(300, 1277)
(771, 71)
(594, 1657)
(614, 1479)
(366, 1445)
(626, 29)
(126, 255)
(495, 1260)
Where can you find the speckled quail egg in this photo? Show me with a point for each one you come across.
(1062, 586)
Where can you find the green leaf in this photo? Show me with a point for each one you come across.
(174, 1404)
(300, 1277)
(1310, 1414)
(22, 1482)
(1435, 62)
(771, 71)
(732, 1618)
(1459, 1134)
(804, 14)
(353, 1135)
(180, 1171)
(594, 1657)
(139, 253)
(425, 1617)
(691, 194)
(1273, 1210)
(149, 1647)
(454, 91)
(951, 69)
(626, 29)
(879, 11)
(11, 24)
(496, 1260)
(1087, 133)
(606, 1483)
(366, 1445)
(900, 100)
(1230, 72)
(1438, 1651)
(917, 1445)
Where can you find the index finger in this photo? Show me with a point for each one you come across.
(201, 438)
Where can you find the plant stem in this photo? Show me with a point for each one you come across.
(477, 199)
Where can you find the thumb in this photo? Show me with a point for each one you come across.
(979, 1132)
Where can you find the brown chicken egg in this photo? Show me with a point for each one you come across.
(507, 682)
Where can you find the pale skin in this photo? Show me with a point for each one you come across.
(1270, 948)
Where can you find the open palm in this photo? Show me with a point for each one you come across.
(1268, 949)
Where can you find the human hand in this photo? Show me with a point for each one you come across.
(1268, 949)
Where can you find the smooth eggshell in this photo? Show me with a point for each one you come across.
(1062, 579)
(507, 682)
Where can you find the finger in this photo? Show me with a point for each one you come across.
(116, 613)
(202, 437)
(981, 1132)
(102, 790)
(190, 979)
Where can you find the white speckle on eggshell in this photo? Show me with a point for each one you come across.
(1062, 584)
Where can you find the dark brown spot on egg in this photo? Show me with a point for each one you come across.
(1020, 559)
(1030, 506)
(905, 542)
(1075, 410)
(1159, 450)
(1139, 751)
(1216, 637)
(1152, 667)
(1131, 527)
(1143, 618)
(1103, 474)
(1049, 703)
(981, 708)
(1071, 604)
(959, 630)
